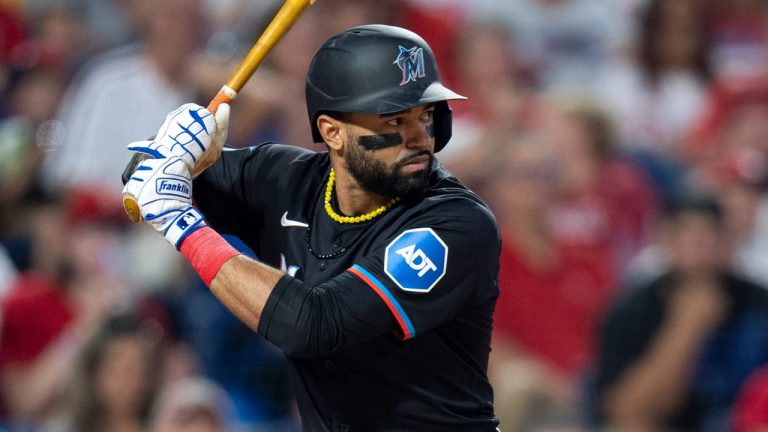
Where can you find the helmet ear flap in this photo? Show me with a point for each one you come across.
(443, 122)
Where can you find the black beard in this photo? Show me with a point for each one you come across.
(376, 177)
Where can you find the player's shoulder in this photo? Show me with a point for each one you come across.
(276, 156)
(274, 151)
(277, 164)
(449, 198)
(453, 214)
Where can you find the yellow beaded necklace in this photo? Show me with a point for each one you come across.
(351, 219)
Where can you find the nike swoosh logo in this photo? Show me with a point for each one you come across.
(284, 221)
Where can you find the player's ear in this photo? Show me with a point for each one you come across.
(332, 130)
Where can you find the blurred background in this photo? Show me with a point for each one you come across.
(622, 144)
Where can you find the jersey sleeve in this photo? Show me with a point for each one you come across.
(430, 271)
(420, 276)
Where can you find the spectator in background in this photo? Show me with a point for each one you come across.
(12, 32)
(191, 405)
(552, 297)
(117, 378)
(500, 102)
(676, 349)
(739, 42)
(36, 351)
(25, 135)
(38, 68)
(605, 204)
(730, 138)
(149, 79)
(564, 41)
(102, 24)
(727, 154)
(37, 59)
(53, 307)
(57, 37)
(487, 60)
(744, 202)
(657, 94)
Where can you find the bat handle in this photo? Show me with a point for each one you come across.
(130, 203)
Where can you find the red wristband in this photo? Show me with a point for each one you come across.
(207, 251)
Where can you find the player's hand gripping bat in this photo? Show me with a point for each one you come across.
(281, 23)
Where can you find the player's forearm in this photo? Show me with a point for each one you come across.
(305, 320)
(240, 283)
(243, 285)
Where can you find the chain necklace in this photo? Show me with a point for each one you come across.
(319, 255)
(351, 219)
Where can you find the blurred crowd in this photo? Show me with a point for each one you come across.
(622, 144)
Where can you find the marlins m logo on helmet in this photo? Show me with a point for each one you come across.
(411, 62)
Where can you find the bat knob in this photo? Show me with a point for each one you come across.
(131, 206)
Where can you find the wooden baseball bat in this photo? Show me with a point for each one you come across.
(280, 24)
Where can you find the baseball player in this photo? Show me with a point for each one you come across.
(377, 270)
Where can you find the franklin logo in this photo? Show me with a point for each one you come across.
(411, 62)
(167, 186)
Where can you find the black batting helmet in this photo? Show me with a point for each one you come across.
(377, 69)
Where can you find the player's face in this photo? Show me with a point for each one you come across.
(392, 154)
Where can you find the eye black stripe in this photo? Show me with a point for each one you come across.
(378, 142)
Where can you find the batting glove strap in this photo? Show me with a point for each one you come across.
(188, 221)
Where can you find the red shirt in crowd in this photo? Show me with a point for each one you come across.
(553, 312)
(751, 410)
(35, 312)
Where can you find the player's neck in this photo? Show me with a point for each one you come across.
(352, 199)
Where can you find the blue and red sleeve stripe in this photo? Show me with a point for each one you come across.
(381, 290)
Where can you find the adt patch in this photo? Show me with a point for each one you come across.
(416, 260)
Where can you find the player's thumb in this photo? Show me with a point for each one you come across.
(222, 124)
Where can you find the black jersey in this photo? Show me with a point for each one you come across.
(387, 323)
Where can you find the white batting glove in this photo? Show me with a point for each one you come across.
(163, 190)
(191, 133)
